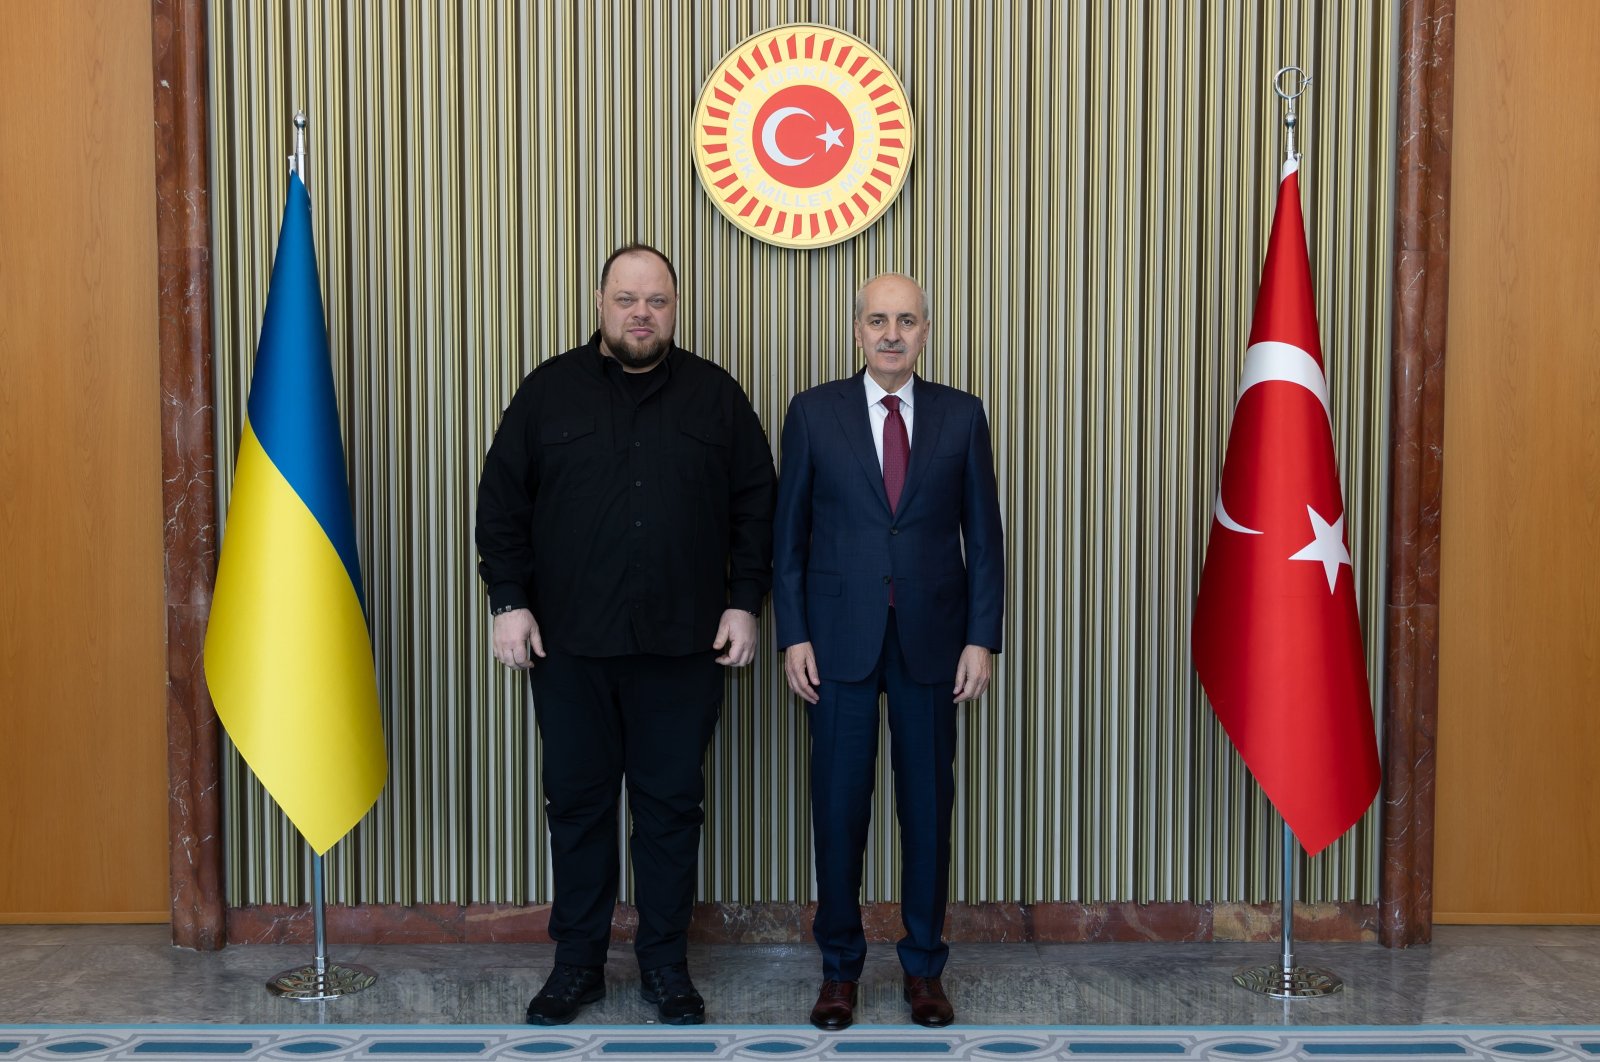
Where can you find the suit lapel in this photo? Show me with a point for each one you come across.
(850, 407)
(928, 418)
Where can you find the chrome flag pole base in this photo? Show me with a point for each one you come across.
(307, 984)
(1295, 982)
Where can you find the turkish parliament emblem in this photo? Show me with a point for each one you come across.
(802, 136)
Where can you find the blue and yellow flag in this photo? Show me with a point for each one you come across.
(288, 656)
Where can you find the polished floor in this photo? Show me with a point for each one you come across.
(1469, 975)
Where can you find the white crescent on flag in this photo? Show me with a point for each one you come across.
(1264, 362)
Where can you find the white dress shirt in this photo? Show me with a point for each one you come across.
(878, 413)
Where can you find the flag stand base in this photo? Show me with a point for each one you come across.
(1294, 982)
(307, 984)
(320, 979)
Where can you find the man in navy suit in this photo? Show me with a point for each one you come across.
(888, 578)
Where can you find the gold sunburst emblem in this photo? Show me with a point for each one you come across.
(803, 136)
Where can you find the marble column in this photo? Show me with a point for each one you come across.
(1421, 291)
(189, 497)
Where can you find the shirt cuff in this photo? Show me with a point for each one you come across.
(507, 595)
(746, 596)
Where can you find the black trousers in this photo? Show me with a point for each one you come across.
(649, 720)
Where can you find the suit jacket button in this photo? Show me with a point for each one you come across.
(886, 580)
(894, 530)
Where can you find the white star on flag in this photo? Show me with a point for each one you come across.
(831, 137)
(1326, 546)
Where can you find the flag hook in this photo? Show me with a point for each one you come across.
(1289, 92)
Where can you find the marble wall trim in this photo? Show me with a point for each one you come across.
(1421, 286)
(787, 923)
(1403, 916)
(189, 496)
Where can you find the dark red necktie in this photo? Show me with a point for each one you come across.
(896, 451)
(896, 456)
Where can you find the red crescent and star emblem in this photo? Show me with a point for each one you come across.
(802, 136)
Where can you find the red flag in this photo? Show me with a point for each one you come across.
(1277, 640)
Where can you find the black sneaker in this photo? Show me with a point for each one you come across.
(670, 989)
(566, 990)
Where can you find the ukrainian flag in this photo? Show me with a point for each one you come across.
(288, 657)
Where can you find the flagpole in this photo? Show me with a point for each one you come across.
(1287, 980)
(1288, 902)
(320, 980)
(319, 919)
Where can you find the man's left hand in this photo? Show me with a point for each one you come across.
(737, 634)
(972, 673)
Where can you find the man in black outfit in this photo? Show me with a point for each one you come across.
(625, 535)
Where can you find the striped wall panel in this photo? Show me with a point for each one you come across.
(1088, 207)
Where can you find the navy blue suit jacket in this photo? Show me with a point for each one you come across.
(837, 545)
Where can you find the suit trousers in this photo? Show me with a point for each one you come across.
(647, 720)
(844, 752)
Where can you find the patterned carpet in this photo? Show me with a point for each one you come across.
(197, 1043)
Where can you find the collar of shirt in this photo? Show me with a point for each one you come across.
(877, 414)
(598, 361)
(875, 394)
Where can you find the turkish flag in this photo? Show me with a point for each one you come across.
(1277, 640)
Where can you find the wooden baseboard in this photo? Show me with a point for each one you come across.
(83, 918)
(1516, 918)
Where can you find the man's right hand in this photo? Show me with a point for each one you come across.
(800, 668)
(516, 639)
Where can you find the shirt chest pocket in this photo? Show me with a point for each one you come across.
(702, 446)
(571, 461)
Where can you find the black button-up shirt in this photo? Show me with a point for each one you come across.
(628, 511)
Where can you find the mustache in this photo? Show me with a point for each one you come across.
(891, 348)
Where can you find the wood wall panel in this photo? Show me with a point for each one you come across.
(83, 834)
(1518, 827)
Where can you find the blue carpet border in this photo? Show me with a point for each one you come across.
(309, 1042)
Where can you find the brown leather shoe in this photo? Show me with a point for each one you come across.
(836, 1006)
(929, 1005)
